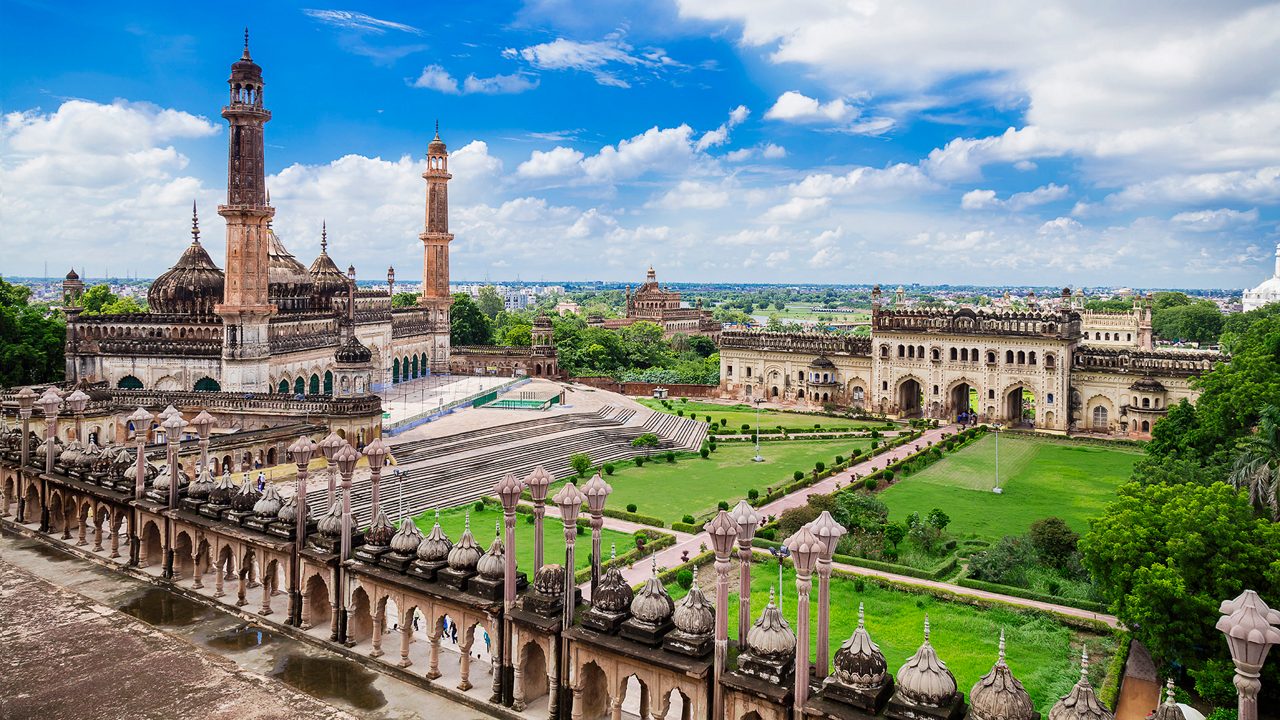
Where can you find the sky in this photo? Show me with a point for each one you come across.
(1054, 142)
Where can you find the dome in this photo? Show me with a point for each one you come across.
(72, 275)
(327, 280)
(464, 556)
(353, 352)
(821, 362)
(288, 281)
(652, 604)
(203, 484)
(859, 662)
(493, 563)
(1081, 703)
(381, 531)
(89, 456)
(1147, 384)
(771, 637)
(223, 490)
(999, 696)
(1169, 709)
(245, 69)
(42, 449)
(161, 483)
(694, 614)
(288, 512)
(70, 453)
(436, 146)
(436, 546)
(192, 286)
(549, 580)
(613, 595)
(270, 503)
(247, 497)
(924, 679)
(407, 539)
(331, 524)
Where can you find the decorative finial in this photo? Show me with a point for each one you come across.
(246, 42)
(926, 627)
(437, 517)
(695, 575)
(613, 551)
(653, 558)
(195, 225)
(861, 619)
(772, 596)
(437, 128)
(466, 525)
(324, 237)
(1001, 656)
(1084, 664)
(1168, 692)
(497, 529)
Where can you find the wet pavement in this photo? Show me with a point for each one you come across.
(179, 633)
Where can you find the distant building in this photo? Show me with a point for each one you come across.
(1266, 293)
(564, 307)
(650, 303)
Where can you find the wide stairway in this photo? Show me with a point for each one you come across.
(457, 469)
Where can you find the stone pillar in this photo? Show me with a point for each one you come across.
(378, 624)
(517, 689)
(464, 668)
(553, 683)
(217, 581)
(723, 531)
(97, 534)
(115, 542)
(615, 706)
(805, 549)
(828, 532)
(242, 585)
(24, 412)
(433, 668)
(406, 637)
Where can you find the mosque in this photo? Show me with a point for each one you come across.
(1266, 293)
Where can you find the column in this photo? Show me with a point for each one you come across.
(378, 623)
(464, 671)
(406, 636)
(517, 692)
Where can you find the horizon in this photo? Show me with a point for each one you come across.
(729, 146)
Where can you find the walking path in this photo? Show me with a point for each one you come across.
(694, 544)
(1140, 686)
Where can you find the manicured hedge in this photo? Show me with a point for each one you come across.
(943, 569)
(692, 528)
(657, 541)
(633, 517)
(1031, 595)
(1110, 691)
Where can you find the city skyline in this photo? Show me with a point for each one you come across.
(721, 146)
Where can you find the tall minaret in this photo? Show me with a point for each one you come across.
(245, 310)
(435, 250)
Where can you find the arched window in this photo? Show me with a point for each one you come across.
(799, 393)
(953, 354)
(1128, 336)
(991, 357)
(415, 366)
(1099, 418)
(424, 364)
(884, 351)
(328, 382)
(1146, 402)
(1031, 358)
(774, 391)
(207, 384)
(1008, 357)
(1049, 361)
(858, 393)
(920, 351)
(315, 384)
(1146, 426)
(937, 354)
(1022, 358)
(1049, 398)
(299, 386)
(129, 382)
(395, 371)
(902, 351)
(284, 386)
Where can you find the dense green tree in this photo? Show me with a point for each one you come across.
(702, 345)
(404, 299)
(99, 300)
(32, 339)
(1166, 300)
(1053, 540)
(1236, 324)
(489, 301)
(581, 463)
(1193, 322)
(1164, 557)
(518, 334)
(643, 345)
(1256, 468)
(468, 326)
(861, 511)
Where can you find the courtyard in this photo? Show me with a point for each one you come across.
(770, 419)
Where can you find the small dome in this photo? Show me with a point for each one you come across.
(202, 486)
(549, 580)
(771, 637)
(223, 490)
(652, 604)
(288, 512)
(70, 454)
(353, 352)
(464, 556)
(407, 539)
(1081, 703)
(694, 614)
(381, 531)
(89, 457)
(1169, 709)
(436, 546)
(42, 449)
(614, 595)
(436, 146)
(192, 286)
(161, 483)
(1147, 384)
(821, 362)
(289, 283)
(331, 524)
(327, 280)
(859, 662)
(999, 696)
(924, 679)
(247, 497)
(72, 275)
(268, 506)
(493, 565)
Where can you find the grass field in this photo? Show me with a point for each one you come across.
(482, 527)
(1040, 478)
(739, 415)
(1043, 653)
(692, 486)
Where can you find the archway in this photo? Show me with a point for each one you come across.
(534, 682)
(284, 387)
(129, 382)
(592, 691)
(183, 564)
(910, 398)
(316, 611)
(152, 550)
(963, 398)
(315, 384)
(1020, 406)
(395, 371)
(328, 382)
(207, 384)
(360, 618)
(1098, 421)
(299, 386)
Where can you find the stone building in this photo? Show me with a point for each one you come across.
(1041, 368)
(536, 360)
(1266, 293)
(269, 323)
(651, 303)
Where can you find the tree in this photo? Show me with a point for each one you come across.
(774, 324)
(1256, 468)
(489, 301)
(860, 511)
(468, 326)
(1164, 557)
(938, 519)
(32, 339)
(404, 299)
(647, 442)
(894, 533)
(1196, 322)
(1053, 540)
(99, 300)
(581, 463)
(702, 345)
(643, 345)
(519, 334)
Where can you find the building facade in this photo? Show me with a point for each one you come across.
(1266, 293)
(268, 323)
(651, 303)
(1041, 369)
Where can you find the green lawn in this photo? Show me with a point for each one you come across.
(482, 527)
(1043, 653)
(1040, 478)
(692, 486)
(739, 415)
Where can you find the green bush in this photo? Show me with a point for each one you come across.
(712, 446)
(581, 463)
(839, 459)
(705, 452)
(479, 506)
(639, 460)
(752, 494)
(608, 468)
(671, 456)
(684, 579)
(723, 505)
(687, 519)
(767, 534)
(745, 427)
(679, 413)
(819, 466)
(708, 419)
(888, 476)
(631, 507)
(798, 475)
(870, 483)
(875, 444)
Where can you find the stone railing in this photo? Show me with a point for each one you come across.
(812, 343)
(1063, 325)
(1173, 363)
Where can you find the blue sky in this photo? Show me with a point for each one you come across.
(1054, 143)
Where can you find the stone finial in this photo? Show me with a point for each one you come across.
(771, 637)
(859, 662)
(1081, 703)
(924, 679)
(998, 695)
(1169, 709)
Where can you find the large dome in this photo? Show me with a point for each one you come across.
(192, 286)
(327, 280)
(288, 281)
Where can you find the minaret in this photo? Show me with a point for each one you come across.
(435, 249)
(245, 310)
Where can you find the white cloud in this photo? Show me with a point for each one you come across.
(1212, 220)
(865, 182)
(979, 199)
(1059, 225)
(668, 150)
(720, 135)
(768, 151)
(1261, 186)
(606, 60)
(691, 195)
(773, 152)
(557, 162)
(796, 209)
(350, 20)
(792, 106)
(984, 199)
(435, 77)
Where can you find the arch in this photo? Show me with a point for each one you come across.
(315, 384)
(910, 396)
(424, 364)
(284, 386)
(271, 456)
(316, 603)
(395, 372)
(299, 386)
(359, 617)
(207, 384)
(183, 556)
(151, 549)
(592, 690)
(1020, 404)
(1146, 426)
(129, 382)
(328, 382)
(1008, 357)
(773, 391)
(962, 396)
(533, 672)
(415, 366)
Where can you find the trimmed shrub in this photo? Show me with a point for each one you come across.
(608, 468)
(684, 579)
(671, 456)
(798, 475)
(888, 475)
(631, 507)
(752, 494)
(479, 506)
(870, 483)
(705, 452)
(639, 460)
(723, 505)
(819, 466)
(839, 459)
(687, 519)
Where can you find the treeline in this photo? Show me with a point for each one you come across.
(1177, 317)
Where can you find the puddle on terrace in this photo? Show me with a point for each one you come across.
(157, 606)
(51, 554)
(330, 677)
(239, 638)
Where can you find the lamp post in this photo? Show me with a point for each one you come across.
(377, 452)
(49, 403)
(538, 481)
(203, 423)
(569, 500)
(997, 489)
(26, 399)
(1248, 624)
(723, 530)
(141, 420)
(301, 450)
(77, 401)
(781, 553)
(597, 492)
(172, 434)
(758, 457)
(745, 517)
(828, 532)
(329, 446)
(508, 491)
(805, 550)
